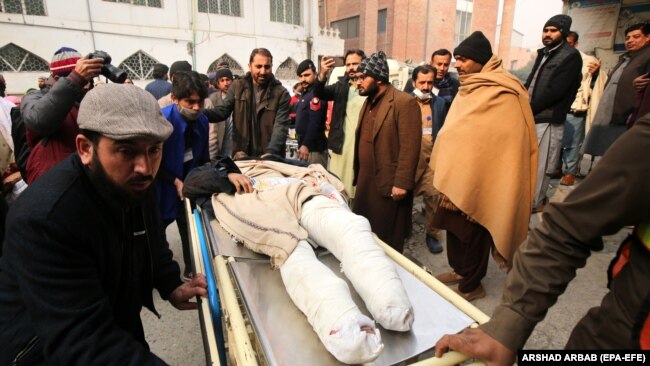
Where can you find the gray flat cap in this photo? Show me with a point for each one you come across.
(122, 112)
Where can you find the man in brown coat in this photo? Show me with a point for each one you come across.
(386, 154)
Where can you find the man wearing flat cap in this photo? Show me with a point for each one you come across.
(552, 86)
(311, 115)
(387, 151)
(84, 249)
(484, 162)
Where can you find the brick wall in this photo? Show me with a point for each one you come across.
(406, 31)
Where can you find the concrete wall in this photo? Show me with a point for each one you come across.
(167, 34)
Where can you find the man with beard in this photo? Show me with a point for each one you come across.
(311, 115)
(484, 167)
(260, 109)
(552, 86)
(345, 115)
(433, 110)
(185, 149)
(387, 149)
(84, 248)
(50, 115)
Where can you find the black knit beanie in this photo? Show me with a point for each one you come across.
(475, 47)
(223, 72)
(375, 66)
(561, 22)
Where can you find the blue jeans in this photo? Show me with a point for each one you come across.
(574, 135)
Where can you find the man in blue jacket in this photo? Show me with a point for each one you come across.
(311, 114)
(186, 148)
(84, 251)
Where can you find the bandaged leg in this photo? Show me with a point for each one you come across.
(373, 275)
(325, 299)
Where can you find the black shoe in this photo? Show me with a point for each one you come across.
(434, 245)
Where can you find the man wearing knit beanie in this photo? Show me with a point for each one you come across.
(387, 152)
(476, 150)
(50, 115)
(552, 86)
(220, 133)
(477, 48)
(84, 249)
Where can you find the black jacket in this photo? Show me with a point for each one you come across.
(311, 115)
(76, 271)
(339, 94)
(556, 85)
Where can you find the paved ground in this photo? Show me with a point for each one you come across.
(176, 336)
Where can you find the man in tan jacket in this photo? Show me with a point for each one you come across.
(487, 202)
(386, 153)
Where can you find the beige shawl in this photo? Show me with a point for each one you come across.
(268, 221)
(485, 156)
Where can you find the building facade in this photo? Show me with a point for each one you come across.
(139, 33)
(408, 29)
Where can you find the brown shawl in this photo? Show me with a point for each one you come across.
(485, 156)
(268, 221)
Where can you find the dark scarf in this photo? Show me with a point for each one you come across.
(445, 88)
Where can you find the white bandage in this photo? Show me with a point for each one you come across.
(325, 299)
(373, 275)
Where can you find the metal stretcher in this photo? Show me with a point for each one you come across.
(253, 321)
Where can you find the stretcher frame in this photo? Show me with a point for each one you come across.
(238, 334)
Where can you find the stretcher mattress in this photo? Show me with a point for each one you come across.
(283, 331)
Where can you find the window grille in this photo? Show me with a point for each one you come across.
(285, 11)
(223, 7)
(27, 7)
(287, 70)
(139, 66)
(233, 65)
(15, 58)
(148, 3)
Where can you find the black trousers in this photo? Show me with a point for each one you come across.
(468, 247)
(181, 222)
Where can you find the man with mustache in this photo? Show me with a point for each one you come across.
(552, 86)
(260, 109)
(345, 114)
(487, 143)
(629, 76)
(386, 153)
(84, 249)
(311, 114)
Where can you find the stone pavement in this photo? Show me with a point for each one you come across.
(176, 337)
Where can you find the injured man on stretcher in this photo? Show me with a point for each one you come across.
(283, 211)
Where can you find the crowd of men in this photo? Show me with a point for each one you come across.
(85, 244)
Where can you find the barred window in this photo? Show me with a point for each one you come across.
(223, 7)
(285, 11)
(15, 58)
(287, 70)
(233, 65)
(27, 7)
(149, 3)
(139, 66)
